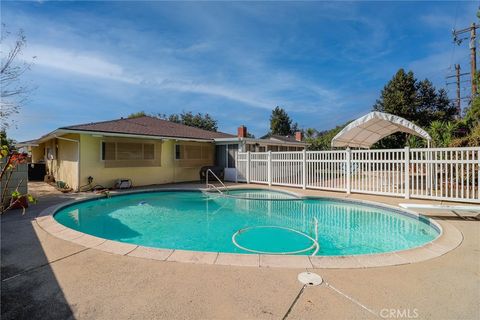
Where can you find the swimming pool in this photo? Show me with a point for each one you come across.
(248, 221)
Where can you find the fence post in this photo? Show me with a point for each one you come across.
(349, 169)
(429, 171)
(269, 168)
(407, 173)
(304, 170)
(248, 167)
(236, 166)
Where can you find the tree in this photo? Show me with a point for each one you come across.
(474, 137)
(399, 96)
(432, 105)
(471, 140)
(310, 133)
(472, 113)
(469, 127)
(416, 101)
(138, 114)
(322, 140)
(199, 120)
(13, 93)
(281, 124)
(5, 141)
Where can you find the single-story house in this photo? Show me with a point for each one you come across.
(146, 150)
(228, 147)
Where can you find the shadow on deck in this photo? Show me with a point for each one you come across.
(29, 287)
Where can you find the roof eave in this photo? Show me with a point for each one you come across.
(265, 141)
(26, 144)
(62, 131)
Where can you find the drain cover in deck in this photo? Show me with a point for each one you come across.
(310, 278)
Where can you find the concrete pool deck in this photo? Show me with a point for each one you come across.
(47, 277)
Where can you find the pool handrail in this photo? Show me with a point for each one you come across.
(209, 185)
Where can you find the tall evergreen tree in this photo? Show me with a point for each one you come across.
(280, 123)
(399, 96)
(416, 101)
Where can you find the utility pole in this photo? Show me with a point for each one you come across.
(473, 51)
(473, 58)
(457, 82)
(459, 105)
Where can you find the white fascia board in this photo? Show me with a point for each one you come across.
(120, 135)
(259, 141)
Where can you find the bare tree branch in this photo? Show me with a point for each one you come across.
(13, 94)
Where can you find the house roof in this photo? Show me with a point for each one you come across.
(281, 138)
(265, 140)
(148, 126)
(28, 143)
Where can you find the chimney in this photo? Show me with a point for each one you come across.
(242, 131)
(298, 136)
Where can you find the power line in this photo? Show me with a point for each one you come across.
(462, 81)
(454, 27)
(458, 81)
(462, 98)
(458, 38)
(461, 74)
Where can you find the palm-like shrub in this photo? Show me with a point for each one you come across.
(442, 133)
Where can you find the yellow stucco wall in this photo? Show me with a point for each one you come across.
(64, 165)
(38, 153)
(169, 170)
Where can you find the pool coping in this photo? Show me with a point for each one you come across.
(448, 239)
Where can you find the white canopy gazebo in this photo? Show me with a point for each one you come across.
(365, 131)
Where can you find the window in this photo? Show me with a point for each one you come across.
(232, 154)
(127, 151)
(49, 153)
(178, 152)
(108, 150)
(148, 151)
(192, 152)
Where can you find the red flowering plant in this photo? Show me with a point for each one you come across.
(9, 160)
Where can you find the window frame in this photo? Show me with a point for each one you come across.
(102, 151)
(189, 159)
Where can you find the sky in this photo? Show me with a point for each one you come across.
(324, 62)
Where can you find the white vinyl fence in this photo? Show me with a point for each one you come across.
(434, 173)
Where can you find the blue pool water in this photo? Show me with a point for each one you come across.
(268, 222)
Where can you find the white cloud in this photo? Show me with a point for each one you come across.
(88, 64)
(263, 93)
(82, 63)
(216, 90)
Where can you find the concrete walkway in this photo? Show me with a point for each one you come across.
(44, 277)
